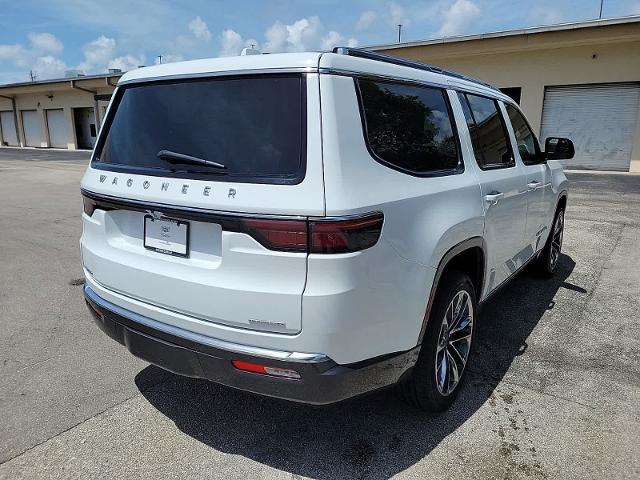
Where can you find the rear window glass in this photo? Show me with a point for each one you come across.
(254, 127)
(409, 127)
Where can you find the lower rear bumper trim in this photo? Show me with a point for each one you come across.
(322, 380)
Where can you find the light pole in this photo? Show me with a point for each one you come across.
(399, 32)
(601, 2)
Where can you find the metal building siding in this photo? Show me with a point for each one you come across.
(32, 128)
(57, 128)
(600, 119)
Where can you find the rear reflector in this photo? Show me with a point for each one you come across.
(264, 370)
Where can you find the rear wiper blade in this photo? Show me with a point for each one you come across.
(174, 157)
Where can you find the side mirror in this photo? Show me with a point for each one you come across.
(557, 148)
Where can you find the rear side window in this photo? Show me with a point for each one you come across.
(253, 126)
(409, 127)
(488, 133)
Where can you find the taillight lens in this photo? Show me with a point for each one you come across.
(345, 235)
(89, 205)
(317, 236)
(284, 235)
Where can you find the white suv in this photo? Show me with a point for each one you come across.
(313, 226)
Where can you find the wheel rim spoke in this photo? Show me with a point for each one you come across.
(454, 342)
(556, 240)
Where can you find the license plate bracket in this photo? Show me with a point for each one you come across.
(166, 235)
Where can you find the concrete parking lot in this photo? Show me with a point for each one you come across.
(554, 391)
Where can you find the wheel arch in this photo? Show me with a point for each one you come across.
(468, 256)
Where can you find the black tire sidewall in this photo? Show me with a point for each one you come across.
(424, 377)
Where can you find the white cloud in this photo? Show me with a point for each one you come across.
(366, 20)
(330, 40)
(98, 53)
(396, 15)
(303, 34)
(352, 42)
(12, 52)
(231, 43)
(545, 16)
(635, 9)
(45, 42)
(199, 29)
(126, 62)
(49, 66)
(36, 56)
(458, 17)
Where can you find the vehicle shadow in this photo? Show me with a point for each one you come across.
(374, 436)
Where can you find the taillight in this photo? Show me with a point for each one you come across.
(284, 235)
(89, 205)
(345, 235)
(317, 236)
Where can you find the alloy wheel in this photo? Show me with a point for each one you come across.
(454, 342)
(556, 240)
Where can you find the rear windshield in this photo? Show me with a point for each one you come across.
(242, 129)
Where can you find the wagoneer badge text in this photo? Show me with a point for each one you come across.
(207, 191)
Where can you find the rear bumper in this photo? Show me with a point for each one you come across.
(322, 380)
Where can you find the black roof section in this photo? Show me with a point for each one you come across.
(368, 54)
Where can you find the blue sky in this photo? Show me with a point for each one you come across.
(50, 37)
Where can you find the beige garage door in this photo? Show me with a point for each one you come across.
(8, 128)
(32, 128)
(600, 119)
(57, 128)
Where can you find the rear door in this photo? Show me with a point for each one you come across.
(503, 187)
(229, 168)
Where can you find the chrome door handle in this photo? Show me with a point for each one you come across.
(493, 197)
(533, 185)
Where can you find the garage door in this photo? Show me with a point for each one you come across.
(600, 119)
(32, 128)
(8, 128)
(57, 128)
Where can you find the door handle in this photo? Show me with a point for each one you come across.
(494, 197)
(533, 185)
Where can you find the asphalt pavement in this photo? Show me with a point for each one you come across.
(553, 392)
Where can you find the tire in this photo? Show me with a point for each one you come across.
(547, 261)
(425, 389)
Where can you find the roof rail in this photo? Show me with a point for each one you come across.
(368, 54)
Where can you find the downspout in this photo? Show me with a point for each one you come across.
(15, 117)
(96, 115)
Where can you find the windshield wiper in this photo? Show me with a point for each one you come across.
(173, 157)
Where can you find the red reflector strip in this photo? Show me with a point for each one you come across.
(264, 370)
